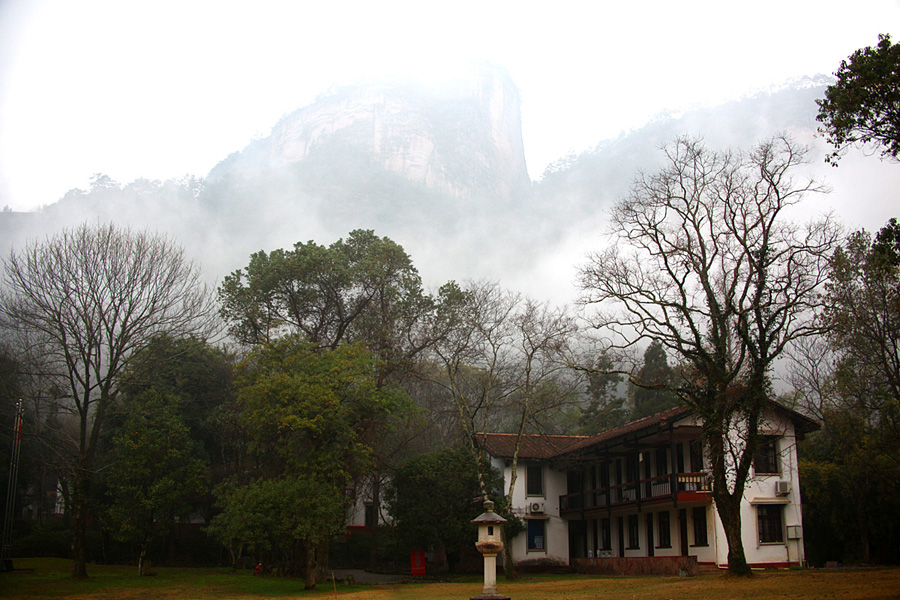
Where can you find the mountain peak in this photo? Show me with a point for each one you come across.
(462, 139)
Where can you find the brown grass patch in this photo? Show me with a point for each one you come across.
(49, 581)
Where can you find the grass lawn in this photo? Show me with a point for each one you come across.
(48, 578)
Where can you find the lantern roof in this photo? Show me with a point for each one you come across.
(489, 516)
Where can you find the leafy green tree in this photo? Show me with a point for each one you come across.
(362, 289)
(286, 517)
(863, 105)
(651, 387)
(863, 309)
(704, 260)
(310, 413)
(201, 377)
(851, 489)
(153, 475)
(307, 409)
(85, 300)
(434, 498)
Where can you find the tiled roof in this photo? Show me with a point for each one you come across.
(502, 445)
(545, 447)
(609, 435)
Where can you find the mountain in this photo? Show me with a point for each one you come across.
(406, 129)
(442, 172)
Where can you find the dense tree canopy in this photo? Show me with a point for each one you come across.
(286, 518)
(308, 412)
(201, 377)
(434, 498)
(154, 474)
(307, 409)
(863, 105)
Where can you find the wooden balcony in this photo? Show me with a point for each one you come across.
(674, 487)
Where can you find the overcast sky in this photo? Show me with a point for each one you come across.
(167, 88)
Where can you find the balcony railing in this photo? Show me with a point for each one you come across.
(635, 492)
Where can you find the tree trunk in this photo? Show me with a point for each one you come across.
(376, 502)
(80, 502)
(141, 557)
(509, 567)
(310, 574)
(729, 508)
(864, 546)
(323, 549)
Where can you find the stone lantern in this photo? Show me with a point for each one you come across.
(490, 544)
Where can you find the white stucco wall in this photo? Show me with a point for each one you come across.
(760, 489)
(556, 543)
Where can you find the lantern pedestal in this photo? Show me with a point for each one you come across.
(489, 545)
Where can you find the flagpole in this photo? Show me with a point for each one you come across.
(9, 514)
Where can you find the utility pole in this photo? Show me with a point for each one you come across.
(8, 515)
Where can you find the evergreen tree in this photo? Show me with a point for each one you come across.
(650, 389)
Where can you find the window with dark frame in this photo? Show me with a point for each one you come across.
(768, 519)
(631, 468)
(605, 534)
(695, 448)
(662, 462)
(534, 480)
(665, 530)
(765, 461)
(699, 518)
(537, 531)
(634, 534)
(604, 475)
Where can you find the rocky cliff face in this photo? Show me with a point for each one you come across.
(463, 140)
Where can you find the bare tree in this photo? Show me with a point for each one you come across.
(505, 365)
(704, 260)
(85, 300)
(811, 371)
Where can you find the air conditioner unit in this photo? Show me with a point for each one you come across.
(794, 532)
(536, 507)
(782, 488)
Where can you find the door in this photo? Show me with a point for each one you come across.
(649, 521)
(682, 531)
(621, 524)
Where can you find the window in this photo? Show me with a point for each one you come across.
(665, 531)
(605, 535)
(534, 480)
(634, 534)
(768, 519)
(766, 458)
(699, 517)
(537, 529)
(695, 448)
(631, 468)
(662, 462)
(370, 516)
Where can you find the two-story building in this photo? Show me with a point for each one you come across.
(642, 491)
